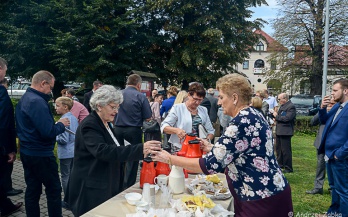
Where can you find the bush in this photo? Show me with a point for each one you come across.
(15, 102)
(302, 125)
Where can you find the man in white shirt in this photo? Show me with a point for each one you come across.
(272, 102)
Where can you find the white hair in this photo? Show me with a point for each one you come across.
(104, 95)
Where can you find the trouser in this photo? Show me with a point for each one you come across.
(8, 179)
(65, 170)
(38, 171)
(134, 136)
(283, 152)
(337, 171)
(5, 203)
(320, 173)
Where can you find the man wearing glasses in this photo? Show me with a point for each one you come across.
(37, 131)
(285, 118)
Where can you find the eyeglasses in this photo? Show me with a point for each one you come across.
(115, 108)
(196, 99)
(51, 87)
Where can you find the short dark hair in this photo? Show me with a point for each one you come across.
(343, 82)
(71, 91)
(97, 82)
(134, 79)
(197, 88)
(158, 95)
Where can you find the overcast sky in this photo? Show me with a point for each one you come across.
(266, 13)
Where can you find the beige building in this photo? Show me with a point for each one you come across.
(257, 64)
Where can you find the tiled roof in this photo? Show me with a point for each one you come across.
(272, 44)
(338, 55)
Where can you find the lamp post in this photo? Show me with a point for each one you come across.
(326, 48)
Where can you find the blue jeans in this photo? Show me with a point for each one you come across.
(338, 180)
(38, 171)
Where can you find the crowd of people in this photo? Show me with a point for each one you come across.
(100, 142)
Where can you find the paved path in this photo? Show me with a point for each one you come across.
(19, 183)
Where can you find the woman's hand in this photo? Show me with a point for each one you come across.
(161, 156)
(205, 145)
(150, 146)
(180, 133)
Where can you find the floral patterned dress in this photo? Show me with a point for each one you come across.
(245, 153)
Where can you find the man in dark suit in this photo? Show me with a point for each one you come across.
(10, 191)
(285, 118)
(334, 144)
(87, 96)
(7, 143)
(321, 165)
(214, 106)
(213, 111)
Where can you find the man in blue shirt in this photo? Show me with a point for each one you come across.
(272, 102)
(37, 131)
(134, 109)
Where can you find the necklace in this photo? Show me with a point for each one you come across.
(241, 110)
(190, 110)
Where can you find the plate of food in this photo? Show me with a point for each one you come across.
(211, 185)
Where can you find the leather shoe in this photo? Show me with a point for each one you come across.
(14, 209)
(315, 191)
(14, 192)
(287, 171)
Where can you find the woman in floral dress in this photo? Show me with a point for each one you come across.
(245, 154)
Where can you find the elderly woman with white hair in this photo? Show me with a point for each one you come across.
(97, 173)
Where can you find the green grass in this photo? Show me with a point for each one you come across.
(302, 179)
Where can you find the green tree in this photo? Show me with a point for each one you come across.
(24, 30)
(301, 23)
(104, 39)
(199, 40)
(95, 40)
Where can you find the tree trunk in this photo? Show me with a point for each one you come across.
(317, 51)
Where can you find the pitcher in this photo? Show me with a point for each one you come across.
(177, 180)
(188, 137)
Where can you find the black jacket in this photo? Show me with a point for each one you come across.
(97, 173)
(7, 124)
(86, 99)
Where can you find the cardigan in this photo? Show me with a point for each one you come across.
(180, 117)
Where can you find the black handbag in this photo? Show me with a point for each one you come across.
(151, 126)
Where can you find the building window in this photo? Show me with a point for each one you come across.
(259, 64)
(260, 46)
(246, 64)
(273, 65)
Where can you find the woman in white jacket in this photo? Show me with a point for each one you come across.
(185, 117)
